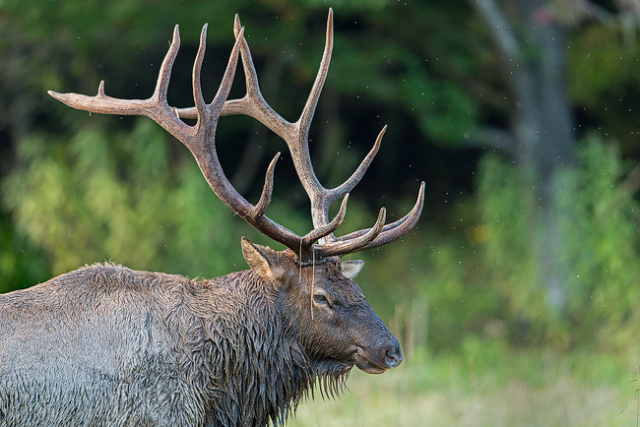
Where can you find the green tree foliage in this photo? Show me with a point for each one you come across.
(605, 83)
(123, 197)
(607, 220)
(603, 249)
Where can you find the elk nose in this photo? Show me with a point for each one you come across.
(393, 356)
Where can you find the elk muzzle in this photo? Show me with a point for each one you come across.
(378, 350)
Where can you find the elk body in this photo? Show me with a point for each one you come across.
(106, 345)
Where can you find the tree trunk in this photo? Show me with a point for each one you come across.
(542, 140)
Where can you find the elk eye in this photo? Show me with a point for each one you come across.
(321, 299)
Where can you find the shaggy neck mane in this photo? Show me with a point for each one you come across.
(262, 366)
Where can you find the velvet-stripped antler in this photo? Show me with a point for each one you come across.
(200, 139)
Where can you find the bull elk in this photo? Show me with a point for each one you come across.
(105, 345)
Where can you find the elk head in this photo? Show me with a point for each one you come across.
(329, 314)
(312, 267)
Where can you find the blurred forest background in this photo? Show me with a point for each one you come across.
(518, 289)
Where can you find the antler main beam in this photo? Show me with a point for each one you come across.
(200, 139)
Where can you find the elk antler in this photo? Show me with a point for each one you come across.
(200, 140)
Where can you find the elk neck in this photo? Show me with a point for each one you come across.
(262, 346)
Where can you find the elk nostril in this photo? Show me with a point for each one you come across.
(393, 357)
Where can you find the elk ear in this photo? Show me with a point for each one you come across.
(350, 269)
(260, 259)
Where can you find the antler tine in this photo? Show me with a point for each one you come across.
(394, 230)
(164, 75)
(320, 197)
(267, 190)
(196, 86)
(354, 244)
(323, 231)
(357, 175)
(155, 107)
(253, 103)
(312, 101)
(398, 228)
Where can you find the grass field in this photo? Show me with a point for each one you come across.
(485, 387)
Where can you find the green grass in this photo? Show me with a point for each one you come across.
(485, 386)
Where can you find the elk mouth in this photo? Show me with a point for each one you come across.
(365, 362)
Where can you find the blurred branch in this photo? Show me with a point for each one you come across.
(632, 182)
(597, 12)
(500, 29)
(625, 6)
